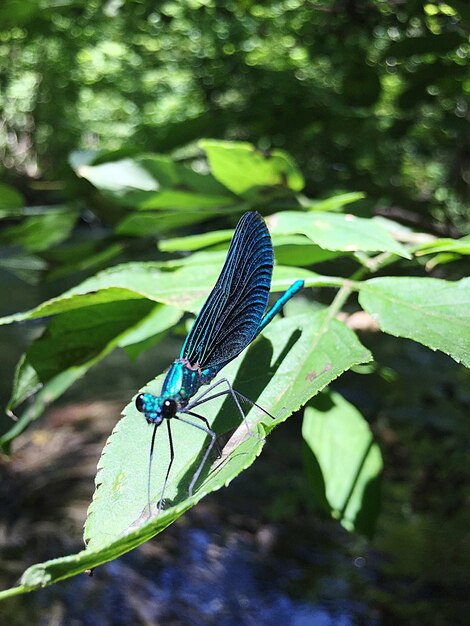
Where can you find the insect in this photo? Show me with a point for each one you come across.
(231, 318)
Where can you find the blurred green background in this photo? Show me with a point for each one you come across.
(366, 95)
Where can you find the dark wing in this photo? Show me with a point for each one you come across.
(232, 313)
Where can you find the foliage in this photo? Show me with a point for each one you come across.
(332, 423)
(134, 303)
(366, 94)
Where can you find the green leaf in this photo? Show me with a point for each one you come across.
(443, 250)
(297, 357)
(294, 250)
(441, 259)
(40, 232)
(177, 200)
(181, 176)
(336, 232)
(343, 463)
(25, 266)
(75, 341)
(433, 312)
(335, 203)
(243, 169)
(17, 15)
(10, 201)
(185, 288)
(119, 176)
(300, 251)
(148, 223)
(42, 399)
(77, 337)
(150, 330)
(205, 257)
(289, 250)
(129, 287)
(151, 182)
(290, 255)
(460, 246)
(195, 242)
(396, 230)
(82, 257)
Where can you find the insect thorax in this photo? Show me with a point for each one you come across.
(183, 380)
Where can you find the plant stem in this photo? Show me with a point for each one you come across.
(373, 264)
(340, 298)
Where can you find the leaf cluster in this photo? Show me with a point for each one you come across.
(348, 262)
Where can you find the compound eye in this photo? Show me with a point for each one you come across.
(169, 408)
(139, 402)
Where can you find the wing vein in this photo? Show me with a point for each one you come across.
(230, 317)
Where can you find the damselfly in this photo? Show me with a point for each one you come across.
(230, 319)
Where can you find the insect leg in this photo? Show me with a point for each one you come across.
(196, 401)
(203, 398)
(172, 458)
(213, 437)
(152, 444)
(258, 406)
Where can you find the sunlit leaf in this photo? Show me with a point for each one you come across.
(185, 288)
(433, 312)
(297, 358)
(242, 168)
(288, 250)
(155, 182)
(85, 329)
(336, 232)
(119, 176)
